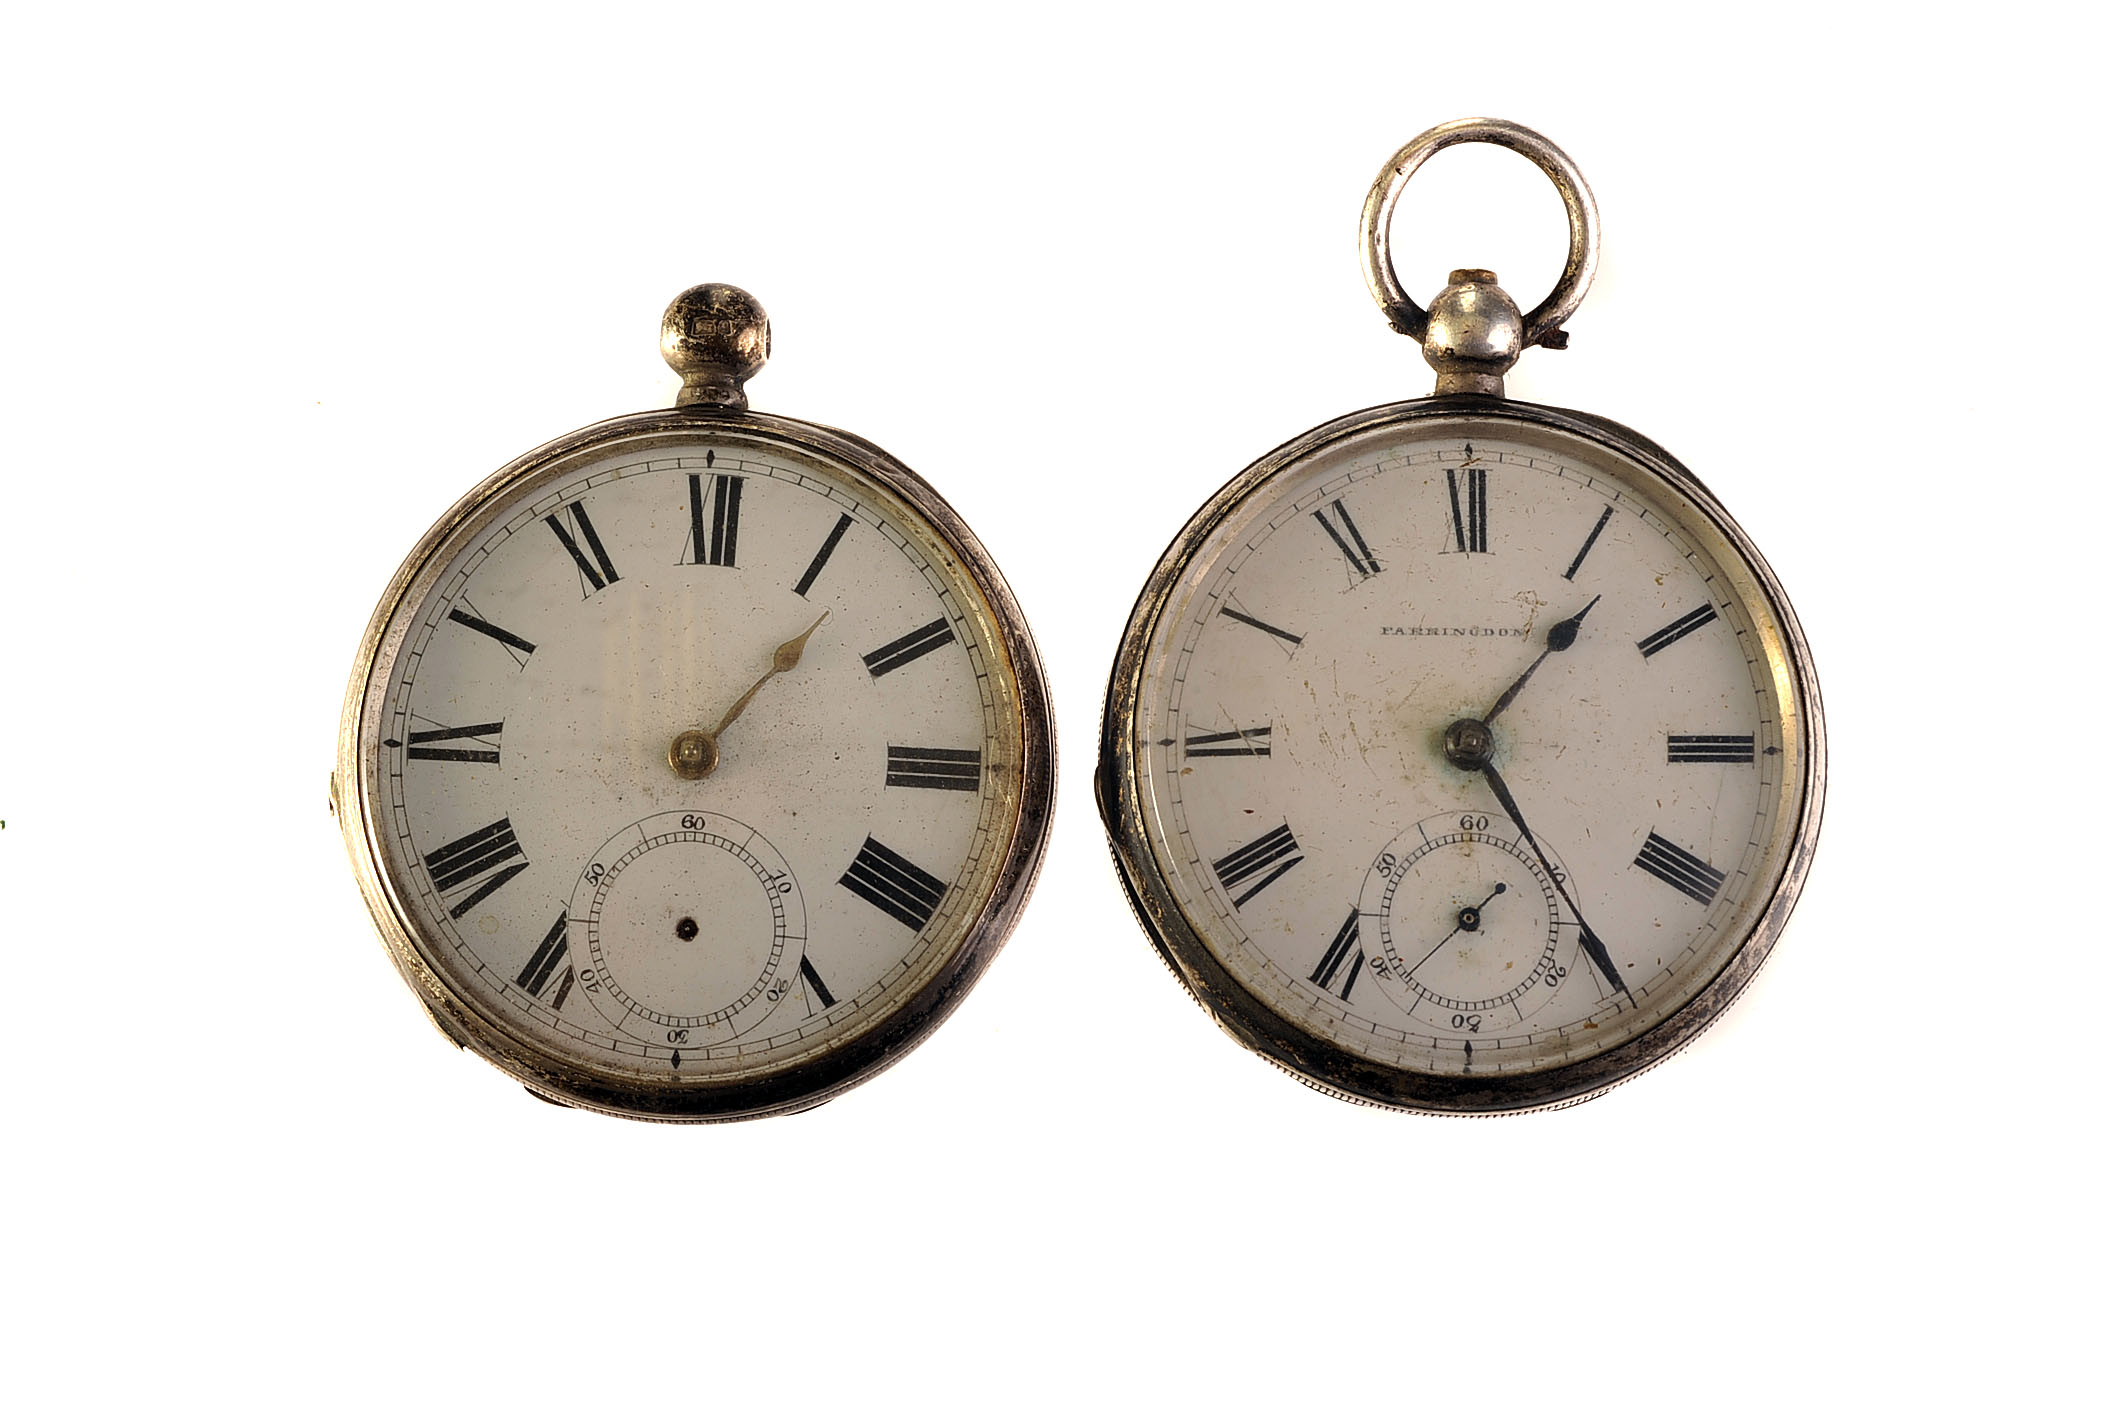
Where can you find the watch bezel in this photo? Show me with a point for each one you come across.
(799, 1086)
(1310, 1057)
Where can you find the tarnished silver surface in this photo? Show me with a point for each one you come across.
(715, 337)
(1539, 326)
(720, 351)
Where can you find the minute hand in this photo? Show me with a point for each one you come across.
(1590, 944)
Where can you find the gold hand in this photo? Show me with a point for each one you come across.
(694, 754)
(787, 654)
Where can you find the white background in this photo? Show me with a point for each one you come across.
(281, 282)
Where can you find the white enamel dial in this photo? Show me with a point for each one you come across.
(612, 917)
(1556, 882)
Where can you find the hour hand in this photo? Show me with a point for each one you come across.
(694, 753)
(1559, 638)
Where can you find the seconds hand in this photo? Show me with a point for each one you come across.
(1466, 919)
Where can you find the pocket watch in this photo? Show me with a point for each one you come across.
(695, 764)
(1463, 755)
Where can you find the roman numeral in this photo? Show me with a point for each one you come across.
(474, 855)
(910, 647)
(1254, 623)
(1680, 869)
(813, 985)
(948, 769)
(1583, 554)
(1675, 630)
(1344, 946)
(1242, 742)
(597, 576)
(1355, 551)
(904, 890)
(552, 954)
(501, 636)
(1710, 747)
(1466, 507)
(820, 557)
(1262, 858)
(418, 751)
(720, 546)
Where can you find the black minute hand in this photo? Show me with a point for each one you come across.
(1590, 944)
(1561, 636)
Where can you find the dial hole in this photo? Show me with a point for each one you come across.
(687, 929)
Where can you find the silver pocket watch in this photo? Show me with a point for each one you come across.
(695, 764)
(1463, 755)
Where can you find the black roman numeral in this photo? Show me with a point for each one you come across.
(1242, 742)
(552, 954)
(1250, 620)
(1710, 747)
(1355, 551)
(910, 647)
(598, 576)
(903, 889)
(1583, 554)
(720, 544)
(1675, 630)
(1680, 869)
(813, 985)
(1345, 946)
(501, 636)
(419, 751)
(949, 769)
(820, 557)
(1466, 507)
(1262, 858)
(474, 855)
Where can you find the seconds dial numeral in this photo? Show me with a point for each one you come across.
(471, 856)
(899, 886)
(1262, 860)
(598, 576)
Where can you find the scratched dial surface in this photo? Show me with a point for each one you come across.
(1291, 753)
(583, 896)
